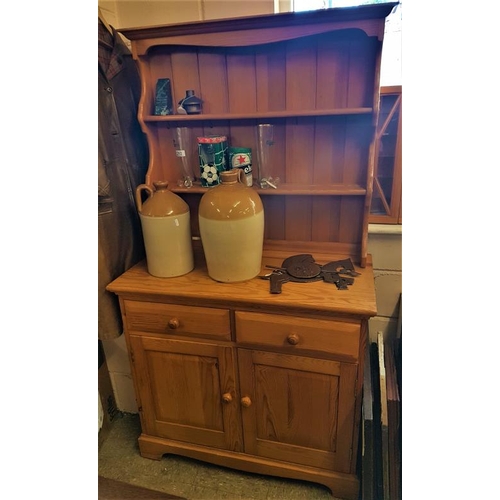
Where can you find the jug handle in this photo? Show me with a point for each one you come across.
(241, 176)
(138, 194)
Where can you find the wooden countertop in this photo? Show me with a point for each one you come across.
(197, 288)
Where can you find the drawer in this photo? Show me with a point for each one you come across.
(298, 334)
(173, 319)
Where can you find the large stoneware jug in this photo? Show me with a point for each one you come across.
(231, 219)
(166, 228)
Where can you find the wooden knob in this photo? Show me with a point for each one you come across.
(246, 401)
(227, 398)
(293, 339)
(173, 323)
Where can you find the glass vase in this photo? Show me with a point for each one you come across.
(265, 141)
(184, 151)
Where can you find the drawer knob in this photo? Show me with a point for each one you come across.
(227, 398)
(173, 323)
(293, 339)
(246, 402)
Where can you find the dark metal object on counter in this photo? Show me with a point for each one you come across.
(302, 268)
(344, 266)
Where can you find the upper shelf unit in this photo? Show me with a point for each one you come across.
(313, 75)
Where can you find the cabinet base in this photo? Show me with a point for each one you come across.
(341, 485)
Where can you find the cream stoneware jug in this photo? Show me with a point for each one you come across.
(231, 219)
(166, 228)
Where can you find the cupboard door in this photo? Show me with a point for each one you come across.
(298, 409)
(187, 391)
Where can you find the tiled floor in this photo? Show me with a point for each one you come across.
(119, 458)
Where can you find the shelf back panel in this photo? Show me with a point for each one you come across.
(327, 71)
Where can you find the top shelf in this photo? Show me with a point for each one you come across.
(263, 29)
(257, 115)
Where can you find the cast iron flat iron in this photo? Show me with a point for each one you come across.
(303, 268)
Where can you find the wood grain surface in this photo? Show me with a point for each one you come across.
(319, 297)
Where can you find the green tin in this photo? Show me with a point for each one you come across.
(242, 158)
(213, 157)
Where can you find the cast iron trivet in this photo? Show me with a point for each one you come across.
(303, 269)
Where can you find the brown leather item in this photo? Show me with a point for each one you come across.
(122, 164)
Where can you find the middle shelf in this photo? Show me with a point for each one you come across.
(292, 189)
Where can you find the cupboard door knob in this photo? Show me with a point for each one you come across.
(246, 401)
(227, 398)
(173, 323)
(293, 339)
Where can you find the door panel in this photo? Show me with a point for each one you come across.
(172, 378)
(302, 409)
(187, 391)
(283, 418)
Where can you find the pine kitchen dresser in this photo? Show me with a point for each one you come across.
(229, 373)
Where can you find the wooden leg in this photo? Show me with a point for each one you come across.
(150, 449)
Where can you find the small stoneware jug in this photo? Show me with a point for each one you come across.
(231, 219)
(166, 228)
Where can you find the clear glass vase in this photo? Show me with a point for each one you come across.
(183, 144)
(265, 141)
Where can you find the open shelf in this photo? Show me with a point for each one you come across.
(257, 115)
(292, 189)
